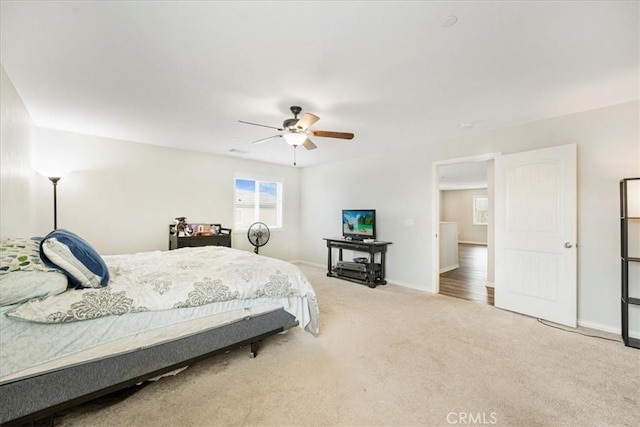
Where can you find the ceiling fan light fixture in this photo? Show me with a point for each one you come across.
(296, 131)
(295, 138)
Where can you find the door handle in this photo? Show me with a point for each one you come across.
(568, 245)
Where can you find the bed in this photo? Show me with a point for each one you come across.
(156, 312)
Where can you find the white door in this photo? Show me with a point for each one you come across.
(535, 220)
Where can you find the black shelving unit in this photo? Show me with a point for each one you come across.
(369, 273)
(222, 237)
(629, 221)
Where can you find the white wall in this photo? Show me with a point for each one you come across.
(398, 184)
(122, 196)
(17, 219)
(457, 206)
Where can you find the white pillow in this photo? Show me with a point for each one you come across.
(19, 286)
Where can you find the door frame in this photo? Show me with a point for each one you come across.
(435, 214)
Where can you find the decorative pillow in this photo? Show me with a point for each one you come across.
(72, 255)
(20, 286)
(18, 254)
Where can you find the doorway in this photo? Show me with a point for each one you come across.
(531, 234)
(469, 280)
(464, 254)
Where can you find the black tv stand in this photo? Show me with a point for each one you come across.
(368, 273)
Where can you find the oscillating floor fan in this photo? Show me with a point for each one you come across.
(258, 235)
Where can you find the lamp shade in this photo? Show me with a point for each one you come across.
(295, 138)
(53, 171)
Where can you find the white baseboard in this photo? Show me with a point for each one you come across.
(599, 326)
(449, 268)
(313, 264)
(409, 285)
(605, 328)
(472, 243)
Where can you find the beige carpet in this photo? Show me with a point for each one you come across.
(394, 356)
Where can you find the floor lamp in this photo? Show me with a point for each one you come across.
(54, 180)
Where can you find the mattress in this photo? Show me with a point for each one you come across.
(26, 399)
(30, 348)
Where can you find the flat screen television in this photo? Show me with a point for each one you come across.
(359, 224)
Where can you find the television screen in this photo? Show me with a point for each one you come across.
(359, 223)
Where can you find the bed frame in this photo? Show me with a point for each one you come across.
(25, 400)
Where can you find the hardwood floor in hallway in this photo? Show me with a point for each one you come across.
(469, 280)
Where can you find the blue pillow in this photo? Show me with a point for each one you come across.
(69, 253)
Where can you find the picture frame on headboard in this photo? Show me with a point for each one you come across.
(201, 229)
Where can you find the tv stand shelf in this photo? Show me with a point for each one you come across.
(370, 273)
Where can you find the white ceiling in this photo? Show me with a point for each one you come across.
(181, 74)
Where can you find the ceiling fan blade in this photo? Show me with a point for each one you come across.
(329, 134)
(309, 145)
(260, 141)
(306, 121)
(257, 124)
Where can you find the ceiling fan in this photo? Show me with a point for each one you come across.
(296, 131)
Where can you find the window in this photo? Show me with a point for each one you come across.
(480, 210)
(257, 200)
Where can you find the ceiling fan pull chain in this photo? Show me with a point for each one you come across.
(294, 155)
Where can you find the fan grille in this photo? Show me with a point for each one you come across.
(258, 235)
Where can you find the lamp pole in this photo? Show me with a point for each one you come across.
(54, 180)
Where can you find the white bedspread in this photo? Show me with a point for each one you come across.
(187, 277)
